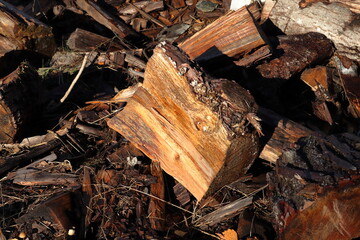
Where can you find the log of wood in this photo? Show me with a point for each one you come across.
(334, 20)
(232, 35)
(82, 40)
(19, 101)
(20, 31)
(299, 51)
(192, 125)
(284, 133)
(315, 189)
(58, 212)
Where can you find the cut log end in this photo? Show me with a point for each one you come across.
(200, 130)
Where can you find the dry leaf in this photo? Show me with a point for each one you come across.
(229, 234)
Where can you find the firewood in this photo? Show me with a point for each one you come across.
(115, 24)
(300, 51)
(232, 35)
(55, 211)
(20, 98)
(82, 40)
(316, 187)
(342, 29)
(20, 31)
(195, 127)
(285, 133)
(223, 213)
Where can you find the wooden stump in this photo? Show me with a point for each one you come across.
(202, 131)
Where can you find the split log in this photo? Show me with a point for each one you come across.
(20, 95)
(232, 35)
(18, 31)
(334, 20)
(315, 189)
(195, 127)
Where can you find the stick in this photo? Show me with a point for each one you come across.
(76, 78)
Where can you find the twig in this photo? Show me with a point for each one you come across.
(148, 16)
(76, 78)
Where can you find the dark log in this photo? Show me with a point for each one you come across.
(315, 189)
(19, 102)
(81, 40)
(20, 31)
(59, 212)
(300, 51)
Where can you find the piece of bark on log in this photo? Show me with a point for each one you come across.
(20, 95)
(193, 126)
(300, 51)
(232, 35)
(18, 31)
(317, 182)
(334, 20)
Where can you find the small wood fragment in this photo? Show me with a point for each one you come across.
(223, 213)
(156, 210)
(182, 195)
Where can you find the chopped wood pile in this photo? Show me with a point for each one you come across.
(179, 119)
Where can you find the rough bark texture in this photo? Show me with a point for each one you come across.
(19, 99)
(315, 189)
(19, 31)
(195, 127)
(334, 20)
(299, 51)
